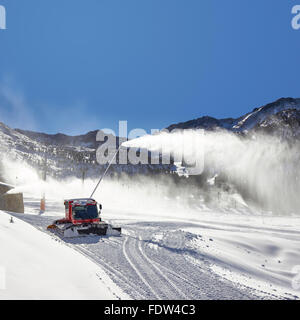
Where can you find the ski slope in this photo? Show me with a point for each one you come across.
(189, 256)
(34, 266)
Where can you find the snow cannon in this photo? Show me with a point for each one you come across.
(82, 217)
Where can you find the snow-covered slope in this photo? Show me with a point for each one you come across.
(170, 253)
(285, 124)
(35, 266)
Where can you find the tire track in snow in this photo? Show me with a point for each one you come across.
(115, 274)
(136, 269)
(160, 272)
(174, 274)
(158, 281)
(110, 271)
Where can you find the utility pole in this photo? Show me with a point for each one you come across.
(83, 174)
(44, 178)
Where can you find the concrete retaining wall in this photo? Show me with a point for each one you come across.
(10, 202)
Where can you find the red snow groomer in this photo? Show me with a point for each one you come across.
(83, 218)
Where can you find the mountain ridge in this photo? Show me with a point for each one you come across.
(243, 123)
(246, 122)
(74, 155)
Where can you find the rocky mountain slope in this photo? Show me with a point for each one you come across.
(61, 155)
(280, 117)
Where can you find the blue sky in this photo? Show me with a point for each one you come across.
(72, 66)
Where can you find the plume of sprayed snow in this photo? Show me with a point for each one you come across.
(264, 169)
(182, 145)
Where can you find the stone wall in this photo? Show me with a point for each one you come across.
(10, 202)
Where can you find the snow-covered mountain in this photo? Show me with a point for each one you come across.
(87, 140)
(76, 155)
(61, 159)
(277, 115)
(285, 123)
(63, 155)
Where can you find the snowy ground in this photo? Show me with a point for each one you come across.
(33, 266)
(207, 255)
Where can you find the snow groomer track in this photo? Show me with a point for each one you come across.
(157, 260)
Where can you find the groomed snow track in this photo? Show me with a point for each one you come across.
(146, 269)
